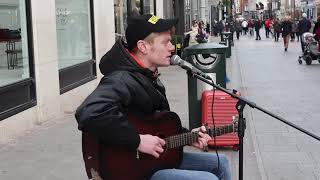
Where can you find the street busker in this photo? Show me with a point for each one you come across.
(131, 86)
(276, 29)
(267, 24)
(257, 27)
(304, 25)
(286, 29)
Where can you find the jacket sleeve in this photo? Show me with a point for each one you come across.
(103, 115)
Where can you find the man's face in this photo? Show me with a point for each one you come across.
(159, 51)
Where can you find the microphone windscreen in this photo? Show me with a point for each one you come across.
(175, 60)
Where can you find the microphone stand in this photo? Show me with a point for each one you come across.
(241, 124)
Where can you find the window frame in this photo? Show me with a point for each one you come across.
(21, 95)
(69, 77)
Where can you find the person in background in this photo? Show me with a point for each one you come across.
(303, 26)
(276, 29)
(267, 24)
(244, 25)
(257, 27)
(286, 29)
(202, 36)
(238, 28)
(131, 85)
(208, 28)
(294, 31)
(316, 31)
(251, 27)
(220, 27)
(193, 33)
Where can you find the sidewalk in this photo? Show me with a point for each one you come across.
(52, 151)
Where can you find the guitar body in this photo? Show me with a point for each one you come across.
(118, 163)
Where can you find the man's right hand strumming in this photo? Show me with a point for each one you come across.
(152, 145)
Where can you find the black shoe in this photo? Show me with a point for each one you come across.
(285, 49)
(256, 39)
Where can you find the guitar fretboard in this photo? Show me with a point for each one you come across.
(192, 137)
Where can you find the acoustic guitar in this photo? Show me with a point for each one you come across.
(119, 163)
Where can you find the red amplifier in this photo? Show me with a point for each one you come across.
(223, 109)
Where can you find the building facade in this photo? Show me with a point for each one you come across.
(50, 52)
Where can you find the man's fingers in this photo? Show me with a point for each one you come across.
(155, 154)
(161, 141)
(159, 149)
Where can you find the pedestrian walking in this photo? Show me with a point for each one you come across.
(276, 29)
(257, 26)
(244, 25)
(238, 28)
(251, 27)
(220, 27)
(316, 32)
(294, 31)
(303, 26)
(267, 24)
(286, 27)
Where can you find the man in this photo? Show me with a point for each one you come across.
(304, 25)
(257, 26)
(131, 85)
(244, 25)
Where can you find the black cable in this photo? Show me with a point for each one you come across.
(214, 127)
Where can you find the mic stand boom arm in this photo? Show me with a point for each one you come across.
(241, 124)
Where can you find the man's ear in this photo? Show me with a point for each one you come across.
(142, 47)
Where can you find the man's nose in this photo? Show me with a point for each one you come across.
(172, 47)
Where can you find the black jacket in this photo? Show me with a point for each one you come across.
(286, 28)
(304, 25)
(125, 88)
(257, 25)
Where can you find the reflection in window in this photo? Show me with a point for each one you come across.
(120, 17)
(148, 7)
(73, 32)
(14, 59)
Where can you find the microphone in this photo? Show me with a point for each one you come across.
(176, 60)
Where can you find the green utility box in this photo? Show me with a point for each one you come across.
(211, 59)
(177, 41)
(226, 37)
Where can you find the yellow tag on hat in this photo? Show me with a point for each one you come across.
(153, 20)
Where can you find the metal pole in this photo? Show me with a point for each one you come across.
(193, 9)
(203, 10)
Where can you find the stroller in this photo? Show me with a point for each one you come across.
(311, 49)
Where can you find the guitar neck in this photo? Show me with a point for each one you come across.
(192, 137)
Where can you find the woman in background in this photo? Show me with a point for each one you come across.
(286, 27)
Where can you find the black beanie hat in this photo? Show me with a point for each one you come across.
(140, 27)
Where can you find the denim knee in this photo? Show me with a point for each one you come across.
(223, 160)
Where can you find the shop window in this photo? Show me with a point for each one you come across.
(120, 17)
(149, 7)
(128, 8)
(75, 38)
(17, 85)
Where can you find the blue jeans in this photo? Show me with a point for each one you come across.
(200, 166)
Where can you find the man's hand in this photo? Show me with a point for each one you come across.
(203, 138)
(152, 145)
